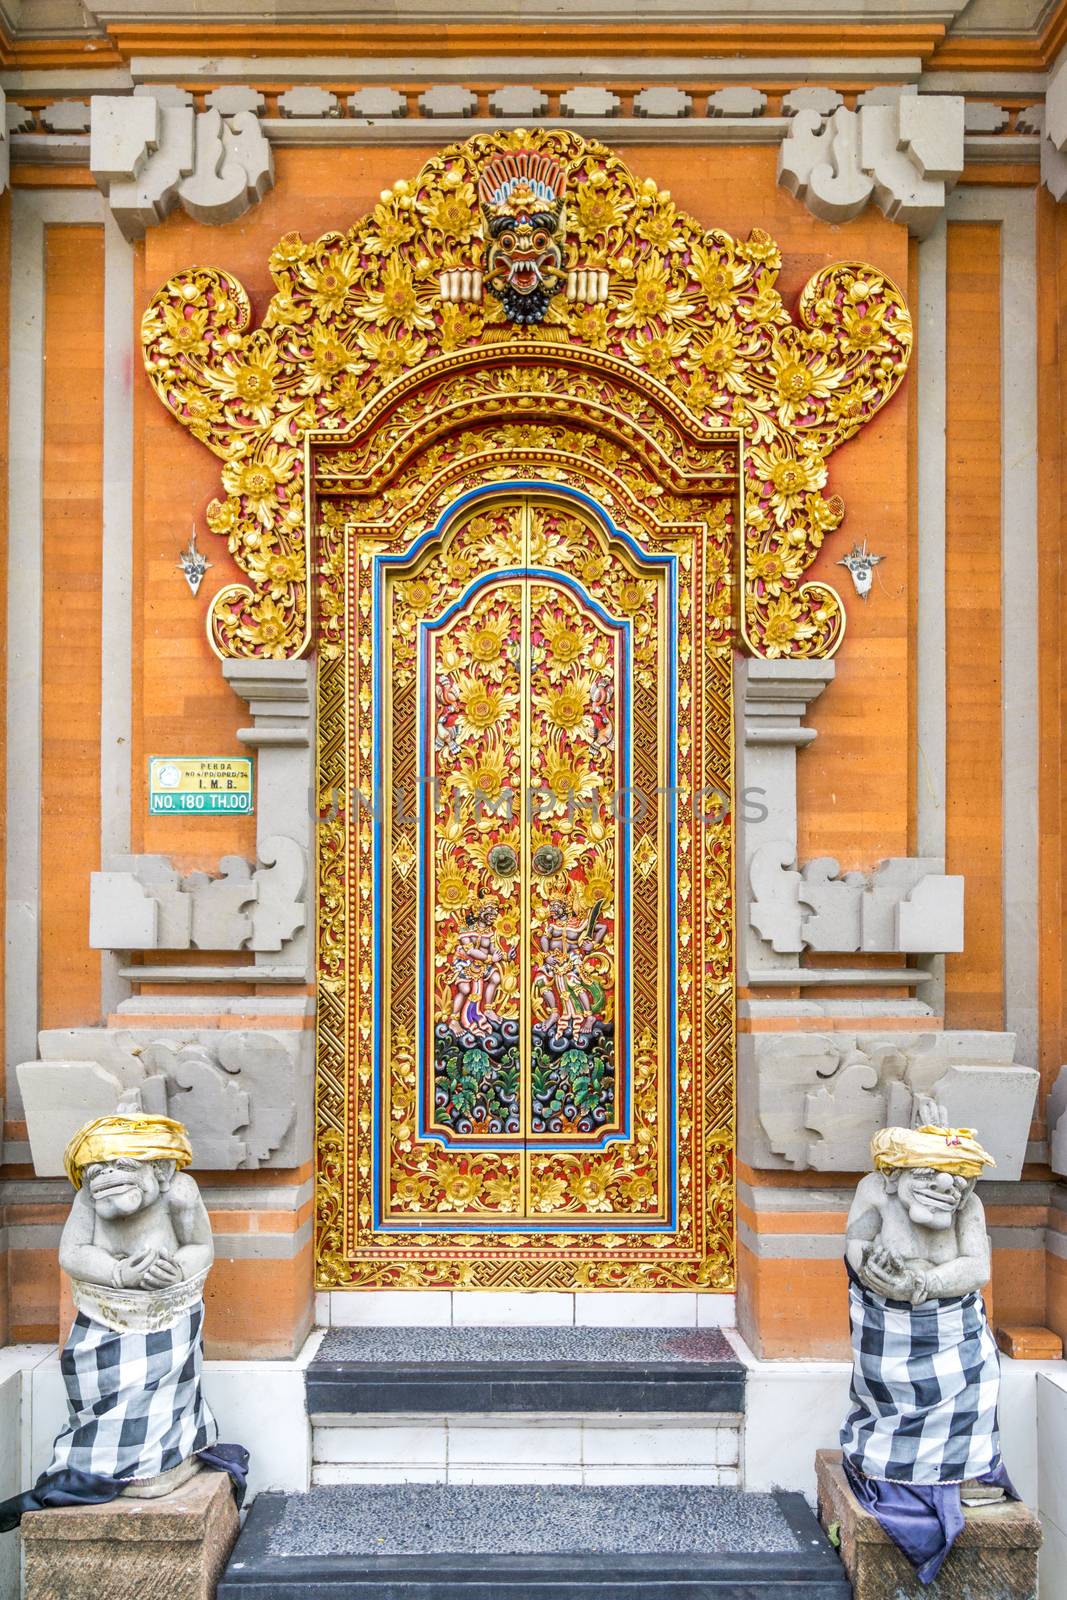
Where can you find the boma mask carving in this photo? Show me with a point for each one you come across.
(521, 195)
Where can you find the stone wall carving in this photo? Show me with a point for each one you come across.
(905, 155)
(148, 155)
(1056, 1121)
(244, 1094)
(906, 905)
(144, 903)
(811, 1101)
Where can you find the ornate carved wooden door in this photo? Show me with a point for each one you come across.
(526, 652)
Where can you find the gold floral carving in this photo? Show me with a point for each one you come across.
(695, 310)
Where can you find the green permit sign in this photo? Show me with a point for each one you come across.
(203, 786)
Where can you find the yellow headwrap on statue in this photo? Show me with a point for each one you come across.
(954, 1150)
(142, 1137)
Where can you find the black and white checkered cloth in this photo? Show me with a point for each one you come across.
(135, 1402)
(924, 1391)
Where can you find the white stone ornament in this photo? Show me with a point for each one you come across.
(149, 155)
(905, 154)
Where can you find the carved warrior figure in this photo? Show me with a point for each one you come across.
(921, 1436)
(137, 1246)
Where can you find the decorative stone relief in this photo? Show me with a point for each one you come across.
(905, 155)
(1056, 1120)
(811, 1101)
(1054, 131)
(907, 905)
(143, 903)
(243, 1094)
(148, 156)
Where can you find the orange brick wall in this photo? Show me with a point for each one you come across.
(974, 980)
(72, 493)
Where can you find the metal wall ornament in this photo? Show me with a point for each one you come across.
(694, 309)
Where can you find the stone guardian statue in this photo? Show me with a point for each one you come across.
(921, 1436)
(137, 1246)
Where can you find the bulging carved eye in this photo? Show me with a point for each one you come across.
(540, 240)
(507, 241)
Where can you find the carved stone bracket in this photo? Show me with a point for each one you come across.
(905, 155)
(147, 157)
(1054, 131)
(1056, 1121)
(908, 905)
(812, 1101)
(143, 903)
(244, 1095)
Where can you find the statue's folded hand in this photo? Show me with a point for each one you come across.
(161, 1272)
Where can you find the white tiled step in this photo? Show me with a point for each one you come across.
(530, 1448)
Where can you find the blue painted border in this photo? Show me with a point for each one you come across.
(669, 564)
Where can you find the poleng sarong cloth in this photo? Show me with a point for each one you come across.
(135, 1409)
(922, 1416)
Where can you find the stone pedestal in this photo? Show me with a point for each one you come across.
(172, 1549)
(994, 1558)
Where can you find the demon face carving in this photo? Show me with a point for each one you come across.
(521, 195)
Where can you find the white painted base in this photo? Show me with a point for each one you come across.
(529, 1448)
(1052, 1479)
(478, 1308)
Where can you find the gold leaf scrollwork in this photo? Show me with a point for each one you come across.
(695, 309)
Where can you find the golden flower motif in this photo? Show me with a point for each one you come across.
(268, 628)
(848, 407)
(503, 1190)
(639, 1188)
(546, 1191)
(567, 773)
(411, 1190)
(393, 353)
(289, 250)
(198, 408)
(661, 228)
(800, 381)
(399, 299)
(186, 333)
(568, 706)
(453, 891)
(592, 569)
(591, 1186)
(486, 639)
(658, 350)
(784, 626)
(223, 515)
(457, 564)
(771, 567)
(277, 570)
(460, 325)
(417, 594)
(590, 327)
(719, 358)
(388, 229)
(718, 273)
(653, 296)
(485, 774)
(483, 705)
(328, 358)
(458, 1184)
(599, 207)
(791, 478)
(258, 480)
(451, 209)
(633, 594)
(329, 278)
(864, 329)
(565, 644)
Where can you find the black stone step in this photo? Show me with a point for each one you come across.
(360, 1370)
(522, 1542)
